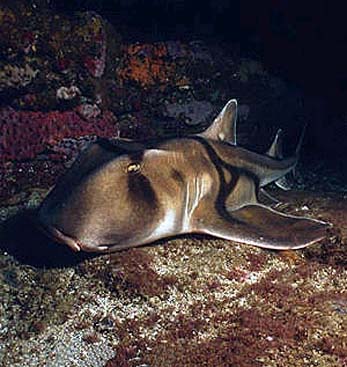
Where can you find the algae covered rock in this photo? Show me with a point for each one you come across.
(42, 52)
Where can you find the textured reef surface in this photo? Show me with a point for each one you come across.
(187, 301)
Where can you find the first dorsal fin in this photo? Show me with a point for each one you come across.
(224, 126)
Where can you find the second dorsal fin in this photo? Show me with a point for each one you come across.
(224, 125)
(276, 148)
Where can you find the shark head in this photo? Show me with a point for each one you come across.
(106, 197)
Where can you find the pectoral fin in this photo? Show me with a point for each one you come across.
(263, 227)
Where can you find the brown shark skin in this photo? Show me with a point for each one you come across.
(131, 193)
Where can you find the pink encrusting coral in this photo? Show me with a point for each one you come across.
(24, 134)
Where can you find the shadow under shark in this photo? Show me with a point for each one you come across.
(125, 193)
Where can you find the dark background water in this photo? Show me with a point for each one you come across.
(303, 42)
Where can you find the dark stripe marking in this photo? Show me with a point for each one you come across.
(177, 176)
(140, 188)
(235, 173)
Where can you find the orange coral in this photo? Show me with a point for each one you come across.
(146, 64)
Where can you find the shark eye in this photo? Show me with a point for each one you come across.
(133, 167)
